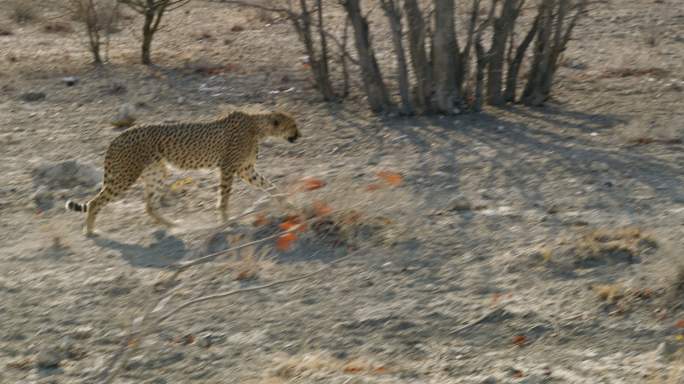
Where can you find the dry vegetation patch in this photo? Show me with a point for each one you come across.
(23, 11)
(597, 247)
(321, 364)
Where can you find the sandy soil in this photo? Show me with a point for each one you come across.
(519, 246)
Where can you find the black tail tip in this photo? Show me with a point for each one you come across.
(73, 206)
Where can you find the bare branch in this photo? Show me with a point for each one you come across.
(287, 11)
(221, 295)
(342, 46)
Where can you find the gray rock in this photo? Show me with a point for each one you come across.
(32, 96)
(666, 350)
(70, 81)
(459, 203)
(535, 379)
(156, 380)
(66, 175)
(43, 198)
(48, 358)
(207, 339)
(82, 332)
(125, 117)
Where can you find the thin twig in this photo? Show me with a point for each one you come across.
(250, 289)
(484, 318)
(182, 266)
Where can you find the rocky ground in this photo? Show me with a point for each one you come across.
(513, 246)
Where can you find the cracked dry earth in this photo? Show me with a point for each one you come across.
(519, 245)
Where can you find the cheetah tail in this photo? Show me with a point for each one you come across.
(74, 206)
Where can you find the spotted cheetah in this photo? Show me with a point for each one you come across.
(229, 143)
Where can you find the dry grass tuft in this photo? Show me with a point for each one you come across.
(676, 286)
(249, 263)
(621, 72)
(57, 27)
(23, 11)
(314, 364)
(616, 243)
(610, 293)
(642, 132)
(593, 248)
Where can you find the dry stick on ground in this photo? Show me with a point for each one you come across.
(143, 325)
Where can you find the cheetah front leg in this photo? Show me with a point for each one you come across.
(225, 186)
(256, 180)
(153, 179)
(253, 178)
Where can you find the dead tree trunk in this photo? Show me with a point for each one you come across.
(148, 32)
(462, 77)
(152, 11)
(373, 84)
(502, 28)
(445, 53)
(552, 38)
(421, 66)
(393, 13)
(325, 86)
(318, 63)
(482, 59)
(516, 62)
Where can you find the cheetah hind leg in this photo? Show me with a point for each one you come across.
(153, 179)
(93, 207)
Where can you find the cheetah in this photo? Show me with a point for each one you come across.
(229, 143)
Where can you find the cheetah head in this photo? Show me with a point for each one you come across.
(283, 125)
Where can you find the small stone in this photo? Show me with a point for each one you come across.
(459, 204)
(125, 117)
(535, 379)
(204, 342)
(180, 100)
(82, 332)
(134, 362)
(43, 198)
(489, 380)
(666, 350)
(156, 380)
(48, 358)
(116, 89)
(32, 96)
(70, 81)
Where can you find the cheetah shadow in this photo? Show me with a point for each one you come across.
(164, 251)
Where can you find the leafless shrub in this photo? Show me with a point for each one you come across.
(23, 11)
(496, 42)
(98, 19)
(152, 11)
(108, 15)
